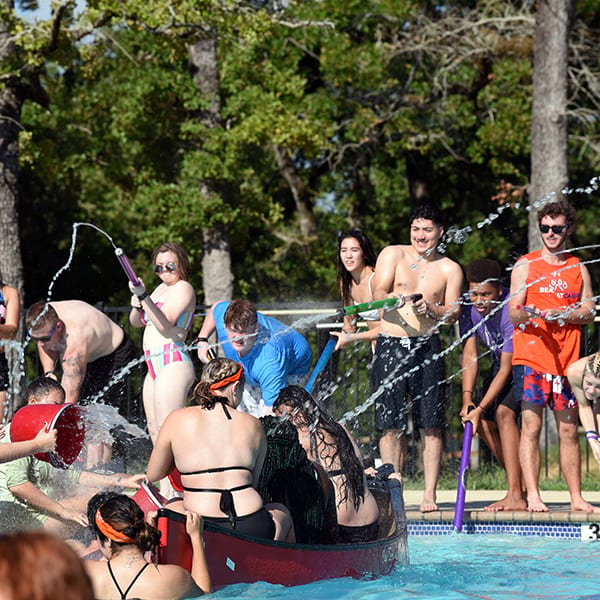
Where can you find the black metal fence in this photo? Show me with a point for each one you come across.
(344, 386)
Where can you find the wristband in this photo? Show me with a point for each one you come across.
(143, 296)
(591, 435)
(200, 339)
(48, 373)
(467, 391)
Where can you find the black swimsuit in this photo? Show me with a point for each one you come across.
(124, 593)
(262, 526)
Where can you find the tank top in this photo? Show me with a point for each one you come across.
(549, 346)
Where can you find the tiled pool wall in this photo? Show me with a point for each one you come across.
(555, 530)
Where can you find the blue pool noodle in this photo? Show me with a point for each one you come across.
(323, 359)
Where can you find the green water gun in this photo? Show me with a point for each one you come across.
(386, 304)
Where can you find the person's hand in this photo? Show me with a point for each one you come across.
(131, 481)
(137, 290)
(467, 407)
(45, 441)
(178, 334)
(344, 338)
(68, 514)
(420, 307)
(193, 523)
(595, 446)
(135, 302)
(553, 314)
(203, 348)
(474, 416)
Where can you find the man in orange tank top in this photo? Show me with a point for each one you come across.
(551, 297)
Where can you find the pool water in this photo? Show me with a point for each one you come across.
(461, 566)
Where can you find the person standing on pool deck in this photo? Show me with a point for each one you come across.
(90, 348)
(550, 298)
(485, 317)
(407, 354)
(584, 377)
(272, 354)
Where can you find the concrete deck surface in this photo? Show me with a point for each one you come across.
(476, 500)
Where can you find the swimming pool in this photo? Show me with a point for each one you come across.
(460, 566)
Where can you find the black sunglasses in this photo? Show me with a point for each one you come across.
(171, 267)
(557, 229)
(44, 338)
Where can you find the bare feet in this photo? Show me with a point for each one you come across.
(509, 502)
(536, 505)
(584, 506)
(428, 505)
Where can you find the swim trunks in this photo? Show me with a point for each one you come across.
(543, 389)
(506, 397)
(403, 366)
(100, 372)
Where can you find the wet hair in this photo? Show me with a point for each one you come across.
(310, 414)
(556, 209)
(216, 370)
(241, 315)
(40, 314)
(125, 517)
(42, 386)
(592, 365)
(38, 565)
(182, 258)
(484, 270)
(343, 275)
(426, 210)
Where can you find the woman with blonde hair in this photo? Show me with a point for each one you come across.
(219, 481)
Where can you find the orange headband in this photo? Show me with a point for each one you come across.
(110, 532)
(223, 382)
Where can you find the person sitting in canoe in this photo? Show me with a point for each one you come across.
(219, 453)
(124, 539)
(329, 444)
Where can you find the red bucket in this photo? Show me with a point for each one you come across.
(65, 418)
(148, 498)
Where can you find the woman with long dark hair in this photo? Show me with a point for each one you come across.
(125, 539)
(329, 444)
(355, 264)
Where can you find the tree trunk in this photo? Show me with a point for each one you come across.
(217, 276)
(300, 193)
(11, 265)
(549, 168)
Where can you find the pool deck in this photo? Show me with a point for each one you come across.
(476, 500)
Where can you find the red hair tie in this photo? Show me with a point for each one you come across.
(231, 379)
(110, 532)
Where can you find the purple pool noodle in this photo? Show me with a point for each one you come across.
(127, 266)
(461, 490)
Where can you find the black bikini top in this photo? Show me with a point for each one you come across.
(124, 593)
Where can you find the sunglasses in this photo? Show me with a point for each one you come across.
(557, 229)
(171, 267)
(44, 338)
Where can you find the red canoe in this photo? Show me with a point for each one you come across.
(238, 558)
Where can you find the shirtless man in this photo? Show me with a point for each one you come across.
(550, 298)
(584, 377)
(90, 348)
(408, 341)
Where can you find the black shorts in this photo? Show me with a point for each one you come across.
(506, 397)
(100, 372)
(407, 376)
(259, 524)
(3, 372)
